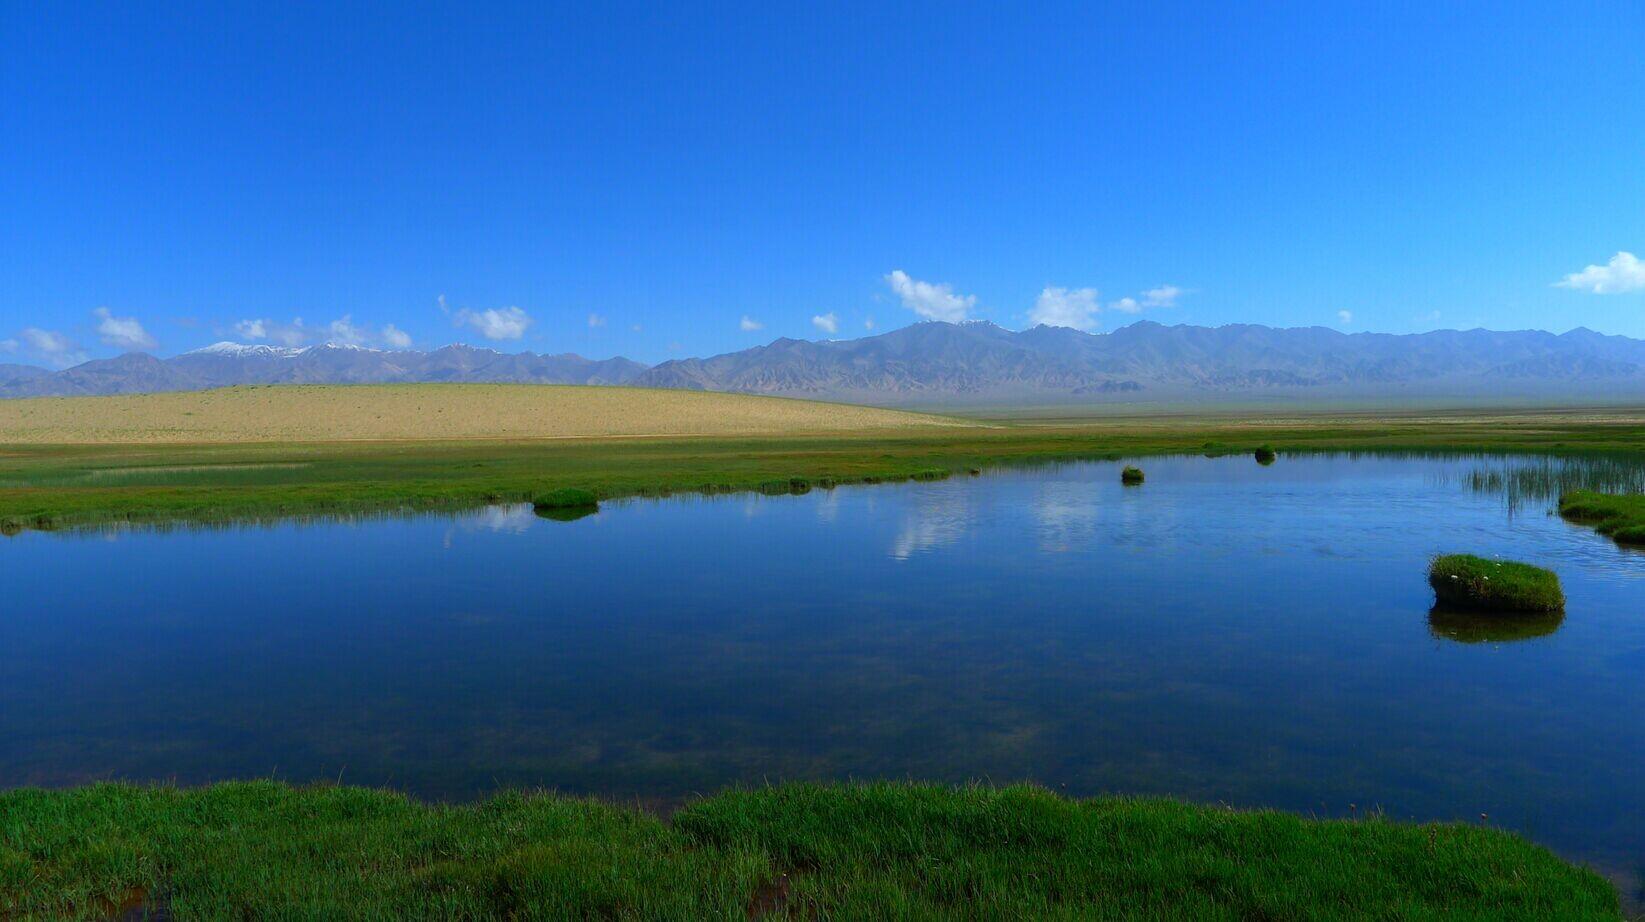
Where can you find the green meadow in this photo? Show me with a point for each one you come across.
(912, 851)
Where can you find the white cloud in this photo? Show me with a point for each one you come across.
(637, 328)
(749, 324)
(1066, 307)
(931, 301)
(49, 342)
(828, 323)
(1345, 317)
(122, 332)
(496, 323)
(286, 334)
(50, 346)
(8, 345)
(1625, 272)
(1163, 296)
(343, 332)
(395, 337)
(868, 324)
(595, 320)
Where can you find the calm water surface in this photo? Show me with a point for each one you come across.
(1227, 632)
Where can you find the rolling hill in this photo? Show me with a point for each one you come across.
(430, 411)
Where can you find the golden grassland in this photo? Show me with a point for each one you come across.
(329, 413)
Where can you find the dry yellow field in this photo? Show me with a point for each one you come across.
(430, 411)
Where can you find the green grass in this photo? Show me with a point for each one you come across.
(1266, 455)
(1621, 517)
(65, 486)
(799, 851)
(1474, 583)
(567, 498)
(1131, 475)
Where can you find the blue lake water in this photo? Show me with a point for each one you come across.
(1259, 636)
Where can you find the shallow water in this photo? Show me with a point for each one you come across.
(1259, 636)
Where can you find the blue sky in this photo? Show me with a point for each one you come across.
(623, 179)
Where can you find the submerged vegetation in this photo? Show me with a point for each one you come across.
(1131, 476)
(800, 851)
(1621, 517)
(1476, 584)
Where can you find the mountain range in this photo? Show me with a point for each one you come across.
(935, 362)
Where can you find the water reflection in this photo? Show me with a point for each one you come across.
(1467, 626)
(562, 514)
(1067, 516)
(938, 517)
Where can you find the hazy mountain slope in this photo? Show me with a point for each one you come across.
(227, 364)
(10, 373)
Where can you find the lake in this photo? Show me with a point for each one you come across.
(1259, 636)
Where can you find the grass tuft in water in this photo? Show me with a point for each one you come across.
(264, 849)
(566, 498)
(1474, 583)
(1266, 455)
(1131, 476)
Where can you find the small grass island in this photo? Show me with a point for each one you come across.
(1473, 583)
(1266, 454)
(1131, 476)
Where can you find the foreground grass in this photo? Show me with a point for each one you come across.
(1474, 583)
(1621, 517)
(802, 851)
(59, 486)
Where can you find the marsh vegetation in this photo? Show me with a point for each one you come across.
(1621, 517)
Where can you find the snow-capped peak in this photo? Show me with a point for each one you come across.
(228, 348)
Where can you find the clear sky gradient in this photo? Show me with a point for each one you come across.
(672, 180)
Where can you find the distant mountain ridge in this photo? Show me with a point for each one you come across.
(981, 362)
(935, 362)
(225, 364)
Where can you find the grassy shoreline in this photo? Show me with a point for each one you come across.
(65, 486)
(799, 851)
(1619, 517)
